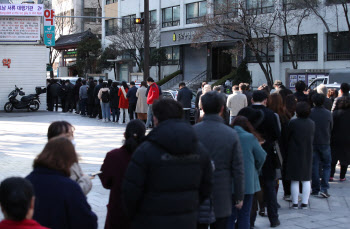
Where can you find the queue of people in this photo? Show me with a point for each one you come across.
(219, 173)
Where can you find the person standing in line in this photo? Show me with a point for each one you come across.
(300, 87)
(300, 147)
(60, 202)
(245, 89)
(104, 97)
(199, 93)
(83, 97)
(222, 143)
(184, 97)
(169, 174)
(54, 93)
(269, 131)
(62, 93)
(141, 106)
(321, 146)
(69, 96)
(91, 99)
(123, 103)
(254, 156)
(131, 95)
(76, 92)
(113, 170)
(340, 140)
(236, 102)
(322, 89)
(332, 94)
(343, 92)
(153, 94)
(114, 103)
(97, 106)
(17, 202)
(206, 89)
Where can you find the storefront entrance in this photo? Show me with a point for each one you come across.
(222, 63)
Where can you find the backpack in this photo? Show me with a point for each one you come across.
(105, 97)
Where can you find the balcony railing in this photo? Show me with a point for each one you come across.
(252, 59)
(338, 56)
(170, 23)
(301, 57)
(170, 62)
(261, 10)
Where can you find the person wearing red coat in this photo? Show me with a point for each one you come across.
(123, 103)
(113, 170)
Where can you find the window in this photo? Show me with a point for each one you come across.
(195, 11)
(228, 8)
(304, 48)
(142, 53)
(92, 12)
(172, 55)
(152, 19)
(171, 16)
(260, 6)
(265, 49)
(110, 1)
(111, 26)
(129, 55)
(338, 46)
(128, 23)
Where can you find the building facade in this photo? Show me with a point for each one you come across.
(178, 20)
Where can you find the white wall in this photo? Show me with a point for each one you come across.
(27, 70)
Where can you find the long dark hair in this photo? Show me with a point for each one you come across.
(247, 126)
(134, 135)
(125, 85)
(59, 127)
(275, 103)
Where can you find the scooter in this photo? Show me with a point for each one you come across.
(30, 102)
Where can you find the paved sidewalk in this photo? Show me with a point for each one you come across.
(23, 136)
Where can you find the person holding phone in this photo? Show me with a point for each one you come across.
(113, 170)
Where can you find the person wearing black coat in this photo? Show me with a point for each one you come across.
(300, 87)
(69, 97)
(169, 175)
(91, 99)
(185, 97)
(131, 95)
(300, 149)
(97, 107)
(340, 140)
(76, 90)
(269, 131)
(114, 101)
(53, 91)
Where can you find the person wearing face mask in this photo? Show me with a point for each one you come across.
(63, 128)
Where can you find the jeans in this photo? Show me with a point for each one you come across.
(149, 116)
(132, 108)
(186, 115)
(241, 215)
(231, 119)
(115, 112)
(124, 113)
(321, 153)
(106, 112)
(83, 103)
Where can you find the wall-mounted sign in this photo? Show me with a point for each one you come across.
(49, 27)
(6, 62)
(21, 10)
(70, 54)
(19, 28)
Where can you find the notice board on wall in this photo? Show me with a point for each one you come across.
(19, 28)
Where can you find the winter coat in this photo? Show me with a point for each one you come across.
(168, 176)
(236, 102)
(113, 170)
(141, 106)
(300, 149)
(254, 157)
(224, 149)
(100, 93)
(91, 98)
(270, 132)
(323, 125)
(328, 103)
(59, 201)
(185, 97)
(78, 176)
(76, 90)
(131, 95)
(153, 93)
(54, 90)
(114, 97)
(301, 97)
(24, 224)
(123, 101)
(340, 141)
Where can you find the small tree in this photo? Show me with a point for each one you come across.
(242, 74)
(88, 52)
(157, 57)
(110, 53)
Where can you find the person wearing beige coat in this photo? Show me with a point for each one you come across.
(141, 106)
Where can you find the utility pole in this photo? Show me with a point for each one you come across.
(146, 40)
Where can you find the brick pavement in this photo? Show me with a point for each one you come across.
(23, 136)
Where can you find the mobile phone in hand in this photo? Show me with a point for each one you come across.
(94, 174)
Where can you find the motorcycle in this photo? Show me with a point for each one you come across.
(30, 102)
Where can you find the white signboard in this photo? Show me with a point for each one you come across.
(19, 28)
(21, 10)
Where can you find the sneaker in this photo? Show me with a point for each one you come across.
(276, 223)
(304, 206)
(315, 193)
(331, 179)
(295, 206)
(342, 180)
(324, 194)
(287, 198)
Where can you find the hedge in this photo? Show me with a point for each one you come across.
(169, 77)
(223, 79)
